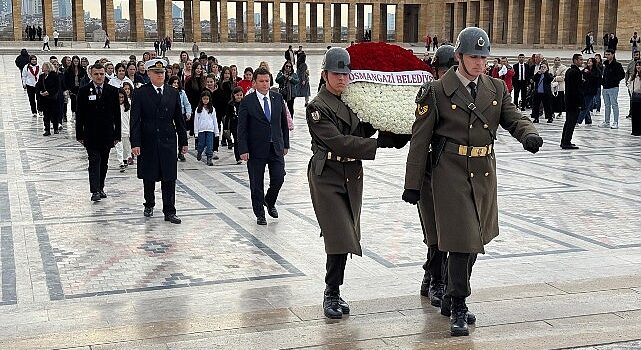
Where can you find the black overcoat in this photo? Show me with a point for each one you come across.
(98, 119)
(154, 124)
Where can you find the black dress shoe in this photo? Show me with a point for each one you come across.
(47, 133)
(149, 212)
(181, 157)
(173, 219)
(261, 220)
(569, 146)
(331, 306)
(458, 324)
(446, 310)
(535, 121)
(56, 132)
(435, 293)
(102, 194)
(425, 285)
(344, 306)
(271, 210)
(95, 196)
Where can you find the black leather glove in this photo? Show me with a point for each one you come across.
(400, 140)
(411, 196)
(532, 143)
(385, 140)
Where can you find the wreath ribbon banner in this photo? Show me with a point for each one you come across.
(414, 77)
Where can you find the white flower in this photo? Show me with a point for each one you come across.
(387, 107)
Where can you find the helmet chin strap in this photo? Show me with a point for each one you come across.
(462, 64)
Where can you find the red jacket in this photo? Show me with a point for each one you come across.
(507, 78)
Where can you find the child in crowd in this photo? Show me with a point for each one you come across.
(246, 83)
(185, 106)
(124, 146)
(231, 120)
(206, 126)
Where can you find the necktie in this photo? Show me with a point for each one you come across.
(98, 91)
(268, 113)
(521, 72)
(472, 86)
(159, 92)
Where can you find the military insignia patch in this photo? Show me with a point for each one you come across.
(315, 116)
(421, 110)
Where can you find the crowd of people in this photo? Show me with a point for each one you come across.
(540, 86)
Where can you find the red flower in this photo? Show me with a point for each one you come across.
(384, 57)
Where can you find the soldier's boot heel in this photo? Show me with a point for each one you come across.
(436, 292)
(446, 310)
(331, 307)
(425, 285)
(344, 306)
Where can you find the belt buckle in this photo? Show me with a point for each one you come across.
(471, 106)
(462, 150)
(338, 158)
(480, 151)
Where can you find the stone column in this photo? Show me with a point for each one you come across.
(583, 22)
(264, 22)
(213, 21)
(546, 22)
(399, 28)
(276, 21)
(160, 18)
(515, 27)
(383, 23)
(136, 23)
(499, 22)
(195, 18)
(336, 30)
(474, 11)
(47, 17)
(459, 17)
(376, 20)
(327, 23)
(360, 21)
(289, 22)
(531, 22)
(486, 20)
(351, 22)
(302, 22)
(107, 15)
(251, 26)
(188, 22)
(424, 24)
(16, 16)
(313, 23)
(224, 22)
(565, 22)
(240, 22)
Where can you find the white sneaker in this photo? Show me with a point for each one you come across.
(604, 125)
(216, 155)
(614, 126)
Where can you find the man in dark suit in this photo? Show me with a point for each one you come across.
(522, 75)
(263, 139)
(156, 118)
(573, 100)
(98, 126)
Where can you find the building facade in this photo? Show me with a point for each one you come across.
(530, 23)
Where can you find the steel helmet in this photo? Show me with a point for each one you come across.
(444, 57)
(473, 41)
(336, 60)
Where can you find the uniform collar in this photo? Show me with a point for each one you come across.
(465, 81)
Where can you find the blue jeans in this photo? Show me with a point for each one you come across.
(585, 112)
(610, 98)
(206, 139)
(597, 101)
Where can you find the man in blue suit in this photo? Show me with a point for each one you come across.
(263, 139)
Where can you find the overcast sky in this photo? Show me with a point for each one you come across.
(149, 6)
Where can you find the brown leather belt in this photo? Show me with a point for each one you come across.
(468, 151)
(332, 156)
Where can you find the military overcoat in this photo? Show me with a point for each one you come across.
(464, 188)
(336, 187)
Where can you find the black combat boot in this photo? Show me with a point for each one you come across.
(436, 292)
(344, 306)
(331, 304)
(446, 310)
(425, 285)
(458, 319)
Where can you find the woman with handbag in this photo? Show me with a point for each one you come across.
(634, 86)
(48, 87)
(287, 80)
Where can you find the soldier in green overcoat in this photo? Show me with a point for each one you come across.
(335, 173)
(458, 116)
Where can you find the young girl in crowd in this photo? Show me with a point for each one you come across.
(211, 86)
(185, 106)
(124, 146)
(128, 88)
(194, 85)
(221, 99)
(246, 83)
(205, 126)
(231, 118)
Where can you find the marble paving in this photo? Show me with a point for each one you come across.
(82, 275)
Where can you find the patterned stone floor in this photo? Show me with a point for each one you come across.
(77, 274)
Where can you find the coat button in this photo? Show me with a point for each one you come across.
(453, 106)
(471, 174)
(485, 126)
(494, 103)
(487, 174)
(471, 126)
(348, 180)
